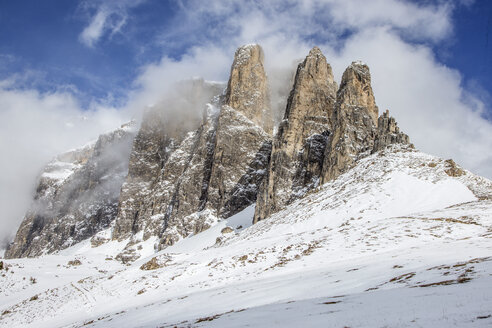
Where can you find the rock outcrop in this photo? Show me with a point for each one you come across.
(204, 154)
(243, 140)
(388, 133)
(298, 147)
(190, 180)
(323, 135)
(247, 89)
(77, 196)
(355, 122)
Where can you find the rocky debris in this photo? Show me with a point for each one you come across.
(77, 196)
(151, 265)
(226, 230)
(452, 169)
(298, 147)
(389, 133)
(98, 240)
(75, 262)
(156, 263)
(1, 265)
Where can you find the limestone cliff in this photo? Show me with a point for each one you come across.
(325, 131)
(388, 133)
(356, 119)
(247, 89)
(298, 147)
(182, 183)
(205, 153)
(77, 196)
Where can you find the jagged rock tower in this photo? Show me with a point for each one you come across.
(324, 132)
(298, 147)
(181, 183)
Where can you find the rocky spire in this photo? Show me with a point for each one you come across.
(389, 132)
(191, 179)
(355, 122)
(356, 91)
(247, 89)
(297, 154)
(243, 138)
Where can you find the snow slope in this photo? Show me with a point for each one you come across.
(394, 242)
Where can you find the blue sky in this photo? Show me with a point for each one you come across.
(70, 70)
(42, 37)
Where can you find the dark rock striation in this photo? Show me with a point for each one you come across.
(298, 147)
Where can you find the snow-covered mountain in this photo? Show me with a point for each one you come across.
(223, 217)
(394, 242)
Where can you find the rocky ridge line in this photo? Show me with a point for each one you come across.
(186, 172)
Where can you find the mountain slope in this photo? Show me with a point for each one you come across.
(401, 239)
(77, 195)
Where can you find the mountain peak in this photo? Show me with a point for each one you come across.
(247, 89)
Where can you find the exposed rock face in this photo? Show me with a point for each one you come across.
(247, 89)
(203, 154)
(298, 147)
(182, 184)
(389, 133)
(356, 119)
(165, 154)
(321, 138)
(77, 196)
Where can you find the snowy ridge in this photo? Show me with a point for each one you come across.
(395, 242)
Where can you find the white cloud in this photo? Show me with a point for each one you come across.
(109, 18)
(35, 127)
(94, 30)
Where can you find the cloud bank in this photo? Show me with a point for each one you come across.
(397, 39)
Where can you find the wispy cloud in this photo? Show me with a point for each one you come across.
(108, 18)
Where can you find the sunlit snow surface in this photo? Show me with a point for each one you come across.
(395, 242)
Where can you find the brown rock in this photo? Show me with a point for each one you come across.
(153, 264)
(298, 148)
(75, 262)
(226, 230)
(452, 169)
(355, 122)
(247, 89)
(388, 133)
